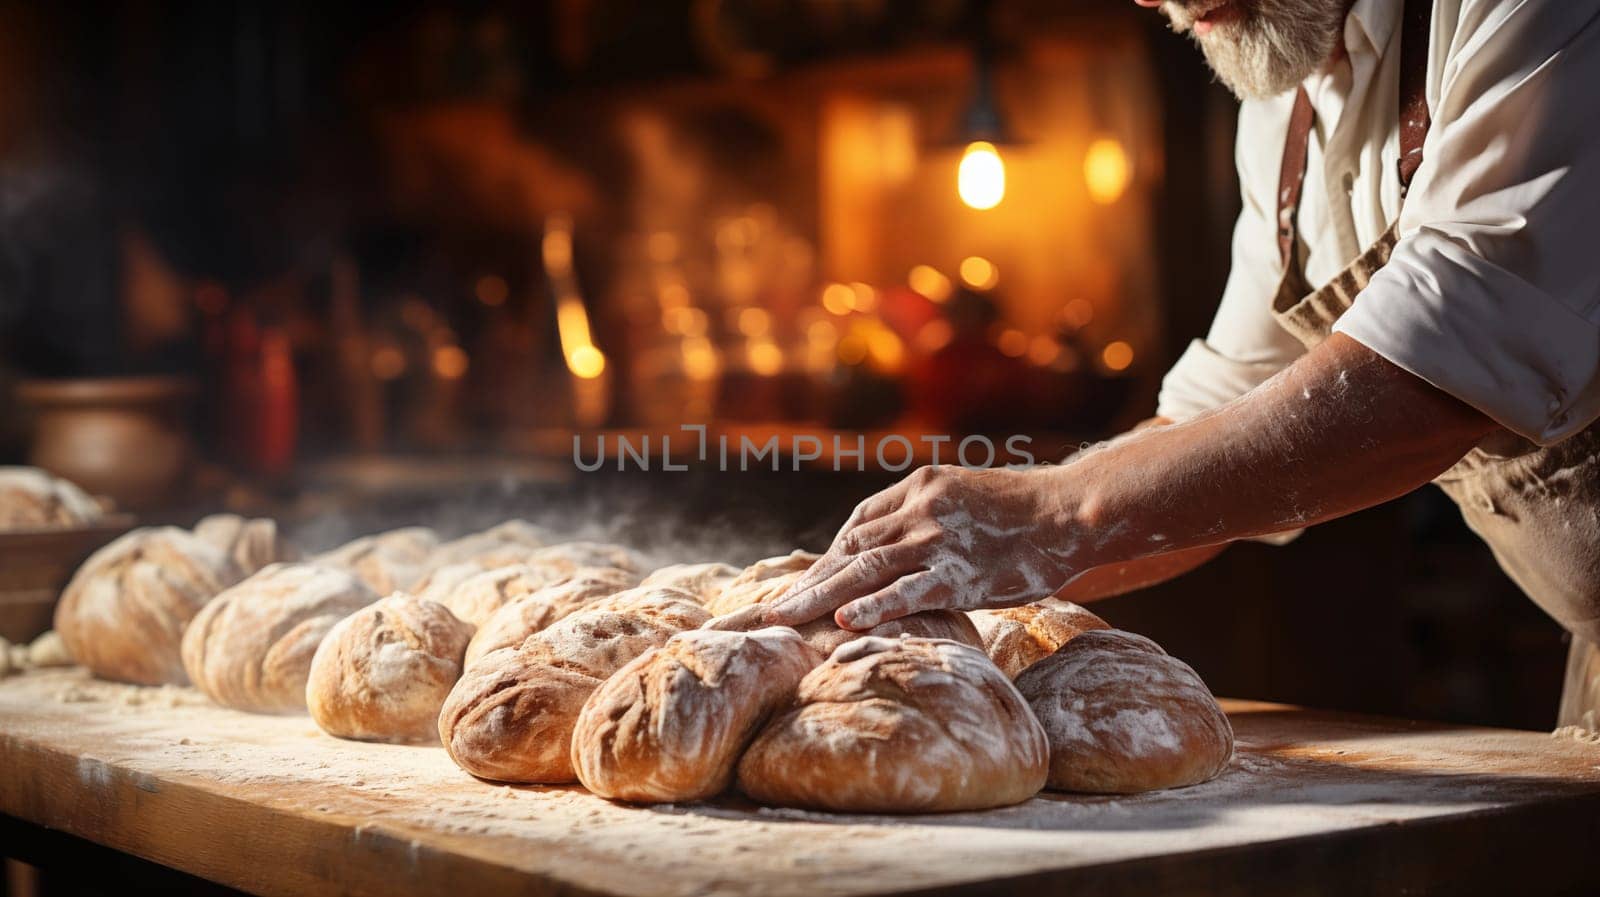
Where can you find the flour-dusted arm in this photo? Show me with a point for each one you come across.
(1340, 430)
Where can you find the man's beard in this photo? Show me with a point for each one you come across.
(1275, 45)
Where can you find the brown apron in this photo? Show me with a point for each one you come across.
(1538, 508)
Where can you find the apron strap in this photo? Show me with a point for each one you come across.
(1415, 22)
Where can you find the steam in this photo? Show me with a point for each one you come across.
(641, 521)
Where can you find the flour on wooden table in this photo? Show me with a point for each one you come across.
(1354, 775)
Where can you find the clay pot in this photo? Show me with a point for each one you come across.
(125, 437)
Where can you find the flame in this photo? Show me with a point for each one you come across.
(981, 178)
(584, 359)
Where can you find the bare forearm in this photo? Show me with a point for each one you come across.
(1341, 430)
(1116, 579)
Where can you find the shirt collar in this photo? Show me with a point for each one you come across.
(1376, 20)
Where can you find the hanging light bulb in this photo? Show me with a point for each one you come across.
(981, 177)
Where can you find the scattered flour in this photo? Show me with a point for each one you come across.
(414, 803)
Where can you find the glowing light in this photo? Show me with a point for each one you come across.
(934, 335)
(492, 291)
(586, 362)
(557, 246)
(838, 299)
(415, 313)
(1106, 171)
(887, 351)
(450, 362)
(853, 349)
(863, 297)
(1078, 313)
(765, 358)
(979, 273)
(388, 363)
(1012, 343)
(674, 294)
(927, 280)
(754, 321)
(981, 177)
(684, 321)
(1117, 355)
(822, 333)
(699, 358)
(1043, 350)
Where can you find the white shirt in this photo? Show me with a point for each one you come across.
(1493, 291)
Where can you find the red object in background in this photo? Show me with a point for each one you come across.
(906, 311)
(969, 386)
(258, 415)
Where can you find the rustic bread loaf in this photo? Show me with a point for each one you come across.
(671, 724)
(48, 650)
(573, 555)
(705, 580)
(900, 726)
(252, 543)
(1016, 638)
(388, 561)
(527, 605)
(761, 582)
(30, 498)
(1123, 716)
(510, 717)
(382, 673)
(438, 583)
(825, 635)
(124, 612)
(507, 543)
(478, 598)
(251, 647)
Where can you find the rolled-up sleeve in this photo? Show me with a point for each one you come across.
(1245, 345)
(1492, 293)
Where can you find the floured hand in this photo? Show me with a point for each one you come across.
(942, 538)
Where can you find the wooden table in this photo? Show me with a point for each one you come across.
(1313, 803)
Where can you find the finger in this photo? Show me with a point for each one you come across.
(846, 547)
(910, 594)
(742, 620)
(880, 504)
(867, 573)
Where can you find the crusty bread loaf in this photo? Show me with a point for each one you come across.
(382, 673)
(705, 580)
(1016, 638)
(574, 555)
(438, 583)
(31, 498)
(510, 717)
(525, 606)
(251, 647)
(507, 543)
(900, 726)
(252, 543)
(124, 612)
(1123, 716)
(761, 582)
(388, 561)
(825, 635)
(671, 724)
(478, 598)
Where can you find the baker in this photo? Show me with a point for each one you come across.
(1414, 297)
